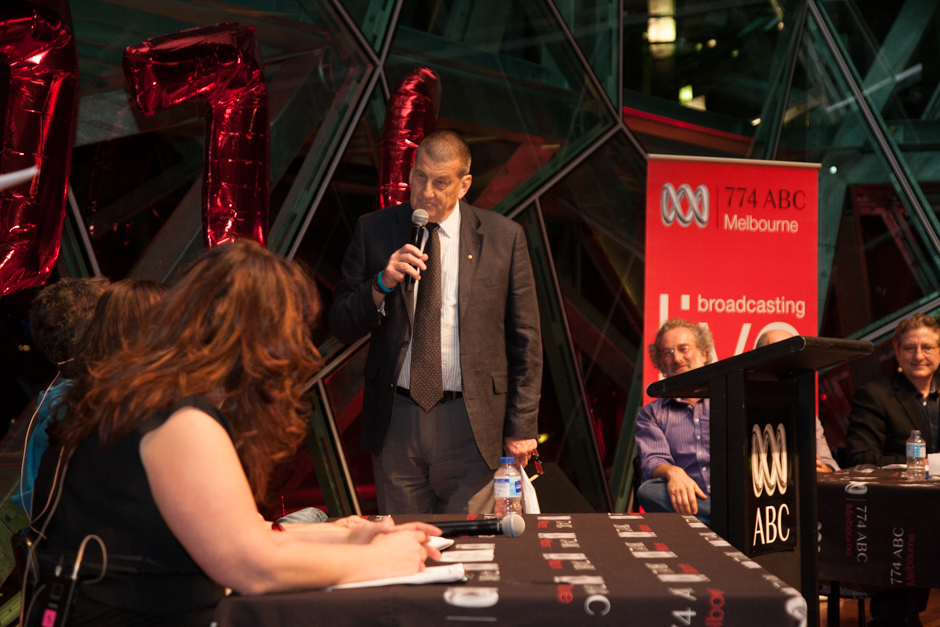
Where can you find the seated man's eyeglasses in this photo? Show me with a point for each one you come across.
(682, 349)
(926, 349)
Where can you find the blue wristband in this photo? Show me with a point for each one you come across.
(382, 285)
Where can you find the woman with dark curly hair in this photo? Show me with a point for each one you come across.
(119, 313)
(171, 447)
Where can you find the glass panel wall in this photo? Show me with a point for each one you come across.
(512, 86)
(737, 78)
(697, 76)
(595, 219)
(567, 434)
(874, 258)
(130, 172)
(352, 192)
(594, 25)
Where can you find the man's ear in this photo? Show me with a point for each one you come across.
(465, 185)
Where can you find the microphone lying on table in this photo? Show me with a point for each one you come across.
(512, 525)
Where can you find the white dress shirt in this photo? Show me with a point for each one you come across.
(449, 233)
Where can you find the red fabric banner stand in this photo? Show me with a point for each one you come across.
(222, 65)
(37, 44)
(410, 117)
(731, 244)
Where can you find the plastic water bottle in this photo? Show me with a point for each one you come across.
(916, 457)
(507, 484)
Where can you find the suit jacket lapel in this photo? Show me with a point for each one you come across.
(404, 235)
(908, 398)
(471, 244)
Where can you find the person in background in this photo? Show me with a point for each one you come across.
(824, 459)
(60, 314)
(122, 309)
(454, 372)
(166, 455)
(672, 433)
(884, 412)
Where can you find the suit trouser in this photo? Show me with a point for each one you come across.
(430, 463)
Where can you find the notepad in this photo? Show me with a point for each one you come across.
(467, 556)
(431, 574)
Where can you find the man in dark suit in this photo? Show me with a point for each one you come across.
(454, 371)
(886, 410)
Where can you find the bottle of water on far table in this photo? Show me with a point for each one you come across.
(507, 484)
(916, 457)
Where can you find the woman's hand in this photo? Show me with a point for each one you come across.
(401, 553)
(352, 522)
(366, 531)
(427, 528)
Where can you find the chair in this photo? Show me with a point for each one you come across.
(835, 592)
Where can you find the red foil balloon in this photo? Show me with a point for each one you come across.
(222, 65)
(37, 44)
(411, 116)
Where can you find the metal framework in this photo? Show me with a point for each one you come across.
(525, 81)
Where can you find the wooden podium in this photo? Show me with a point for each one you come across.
(763, 450)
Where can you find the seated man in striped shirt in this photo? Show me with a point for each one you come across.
(672, 433)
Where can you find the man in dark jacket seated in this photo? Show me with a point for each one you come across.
(884, 412)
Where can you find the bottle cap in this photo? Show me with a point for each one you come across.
(915, 431)
(507, 460)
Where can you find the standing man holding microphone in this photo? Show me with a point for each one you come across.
(454, 371)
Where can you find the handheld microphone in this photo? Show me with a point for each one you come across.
(418, 219)
(512, 525)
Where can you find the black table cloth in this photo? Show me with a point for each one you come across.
(879, 529)
(582, 569)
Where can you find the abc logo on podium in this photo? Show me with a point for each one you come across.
(769, 475)
(671, 205)
(772, 508)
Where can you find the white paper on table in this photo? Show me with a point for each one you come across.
(467, 556)
(530, 500)
(431, 574)
(933, 460)
(439, 543)
(477, 546)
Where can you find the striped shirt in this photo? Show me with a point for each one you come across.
(449, 232)
(674, 431)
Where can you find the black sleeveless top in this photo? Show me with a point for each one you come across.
(148, 571)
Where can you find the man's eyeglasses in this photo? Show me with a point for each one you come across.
(927, 349)
(682, 349)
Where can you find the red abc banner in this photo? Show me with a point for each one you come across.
(731, 244)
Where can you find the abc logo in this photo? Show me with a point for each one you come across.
(671, 205)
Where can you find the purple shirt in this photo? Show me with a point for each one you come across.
(674, 431)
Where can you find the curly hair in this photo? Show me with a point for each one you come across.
(59, 317)
(234, 328)
(703, 340)
(912, 323)
(123, 311)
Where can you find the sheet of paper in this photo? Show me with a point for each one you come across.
(933, 460)
(467, 556)
(431, 574)
(440, 543)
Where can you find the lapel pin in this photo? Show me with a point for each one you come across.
(469, 256)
